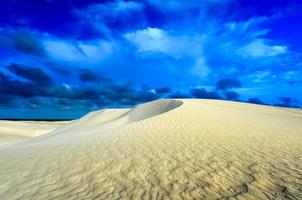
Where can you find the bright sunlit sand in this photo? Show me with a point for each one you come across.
(165, 149)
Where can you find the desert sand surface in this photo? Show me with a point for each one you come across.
(12, 132)
(165, 149)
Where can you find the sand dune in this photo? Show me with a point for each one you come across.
(166, 149)
(12, 132)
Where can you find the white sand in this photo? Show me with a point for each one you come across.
(12, 132)
(166, 149)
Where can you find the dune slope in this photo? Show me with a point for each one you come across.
(166, 149)
(12, 132)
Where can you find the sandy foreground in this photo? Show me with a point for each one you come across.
(165, 149)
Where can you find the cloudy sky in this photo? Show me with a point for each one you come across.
(62, 59)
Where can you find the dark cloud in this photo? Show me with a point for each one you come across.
(37, 93)
(57, 68)
(287, 102)
(179, 95)
(65, 103)
(33, 74)
(22, 40)
(201, 93)
(225, 84)
(12, 87)
(6, 100)
(86, 75)
(90, 93)
(127, 93)
(144, 96)
(231, 95)
(255, 100)
(27, 43)
(36, 102)
(163, 90)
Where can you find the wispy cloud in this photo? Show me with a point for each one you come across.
(78, 51)
(155, 40)
(261, 49)
(107, 17)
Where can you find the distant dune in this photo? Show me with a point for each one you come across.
(165, 149)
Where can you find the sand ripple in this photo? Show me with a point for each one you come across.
(167, 149)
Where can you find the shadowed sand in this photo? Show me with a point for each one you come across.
(165, 149)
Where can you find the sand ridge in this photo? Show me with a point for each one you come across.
(12, 132)
(166, 149)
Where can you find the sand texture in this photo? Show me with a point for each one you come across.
(165, 149)
(12, 132)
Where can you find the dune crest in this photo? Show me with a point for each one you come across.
(165, 149)
(151, 109)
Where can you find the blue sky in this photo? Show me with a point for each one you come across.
(62, 59)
